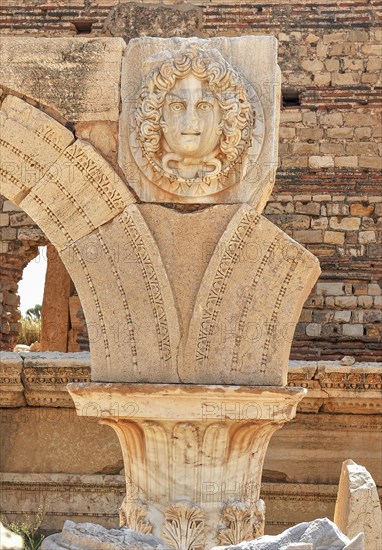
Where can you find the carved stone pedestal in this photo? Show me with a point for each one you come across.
(193, 455)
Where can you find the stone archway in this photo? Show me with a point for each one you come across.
(64, 185)
(73, 194)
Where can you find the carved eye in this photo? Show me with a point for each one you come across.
(204, 106)
(177, 107)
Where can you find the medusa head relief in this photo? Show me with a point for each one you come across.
(195, 118)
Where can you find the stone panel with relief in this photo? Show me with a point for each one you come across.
(199, 120)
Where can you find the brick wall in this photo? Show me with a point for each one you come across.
(20, 239)
(328, 191)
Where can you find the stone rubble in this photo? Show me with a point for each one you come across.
(89, 536)
(320, 534)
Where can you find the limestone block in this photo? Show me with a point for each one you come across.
(78, 77)
(302, 374)
(9, 540)
(358, 508)
(248, 303)
(78, 193)
(103, 135)
(196, 403)
(317, 162)
(55, 306)
(45, 376)
(88, 497)
(4, 220)
(77, 323)
(320, 533)
(31, 439)
(134, 20)
(186, 243)
(11, 388)
(128, 302)
(31, 142)
(334, 378)
(89, 536)
(33, 234)
(254, 167)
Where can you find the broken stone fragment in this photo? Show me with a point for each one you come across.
(89, 536)
(319, 534)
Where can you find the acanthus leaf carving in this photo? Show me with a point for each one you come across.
(242, 522)
(134, 517)
(184, 527)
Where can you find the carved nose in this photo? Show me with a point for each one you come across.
(191, 123)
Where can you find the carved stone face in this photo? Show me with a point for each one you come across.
(194, 120)
(191, 120)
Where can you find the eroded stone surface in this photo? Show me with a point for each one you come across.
(55, 310)
(38, 67)
(248, 303)
(197, 233)
(45, 385)
(79, 192)
(89, 536)
(31, 439)
(129, 306)
(160, 174)
(68, 188)
(31, 142)
(331, 388)
(103, 135)
(358, 507)
(319, 534)
(132, 20)
(225, 314)
(11, 388)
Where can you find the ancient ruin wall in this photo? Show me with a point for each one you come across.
(20, 239)
(327, 194)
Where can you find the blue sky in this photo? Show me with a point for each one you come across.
(31, 286)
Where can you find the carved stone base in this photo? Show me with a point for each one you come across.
(193, 455)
